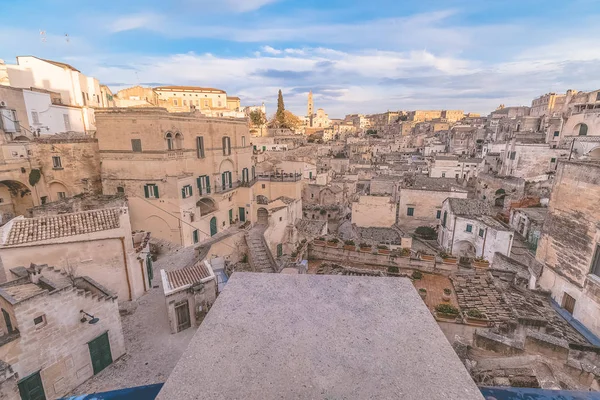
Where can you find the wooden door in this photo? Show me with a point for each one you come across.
(182, 313)
(100, 352)
(213, 226)
(31, 388)
(242, 213)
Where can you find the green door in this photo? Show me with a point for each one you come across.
(100, 352)
(31, 388)
(242, 214)
(279, 250)
(213, 226)
(231, 215)
(150, 270)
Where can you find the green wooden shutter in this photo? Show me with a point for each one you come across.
(207, 184)
(156, 191)
(199, 184)
(230, 179)
(183, 192)
(146, 193)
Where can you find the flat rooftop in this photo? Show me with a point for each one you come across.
(319, 337)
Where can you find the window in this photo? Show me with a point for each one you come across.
(206, 103)
(195, 235)
(186, 191)
(226, 145)
(44, 199)
(512, 155)
(120, 189)
(151, 191)
(596, 262)
(136, 145)
(568, 303)
(245, 175)
(469, 228)
(40, 321)
(174, 102)
(410, 211)
(598, 96)
(263, 185)
(481, 232)
(169, 139)
(56, 162)
(35, 118)
(556, 133)
(203, 183)
(83, 96)
(185, 102)
(583, 128)
(200, 146)
(553, 160)
(243, 141)
(226, 182)
(61, 195)
(443, 174)
(67, 122)
(438, 214)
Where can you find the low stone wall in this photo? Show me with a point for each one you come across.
(546, 345)
(497, 343)
(340, 255)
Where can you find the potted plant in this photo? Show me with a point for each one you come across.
(294, 254)
(476, 317)
(332, 242)
(320, 241)
(393, 270)
(349, 245)
(423, 293)
(446, 295)
(405, 252)
(427, 257)
(480, 262)
(365, 248)
(383, 249)
(448, 259)
(446, 312)
(416, 275)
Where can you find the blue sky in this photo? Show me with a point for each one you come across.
(356, 56)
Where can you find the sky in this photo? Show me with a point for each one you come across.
(356, 56)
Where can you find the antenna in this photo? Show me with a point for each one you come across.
(42, 36)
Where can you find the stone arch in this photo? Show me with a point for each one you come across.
(169, 139)
(16, 199)
(594, 153)
(226, 165)
(161, 229)
(260, 199)
(21, 138)
(178, 141)
(262, 216)
(206, 205)
(57, 190)
(464, 248)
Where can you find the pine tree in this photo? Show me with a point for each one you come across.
(280, 114)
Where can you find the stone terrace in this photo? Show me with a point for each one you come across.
(479, 292)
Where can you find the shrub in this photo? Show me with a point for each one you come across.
(392, 269)
(417, 275)
(480, 259)
(334, 240)
(363, 244)
(245, 258)
(349, 242)
(383, 247)
(423, 290)
(405, 251)
(323, 211)
(446, 309)
(321, 238)
(447, 292)
(294, 254)
(426, 232)
(475, 313)
(443, 254)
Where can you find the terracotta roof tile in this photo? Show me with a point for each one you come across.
(51, 227)
(188, 275)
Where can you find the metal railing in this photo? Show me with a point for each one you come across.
(283, 177)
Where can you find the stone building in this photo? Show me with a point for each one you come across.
(209, 101)
(528, 222)
(455, 167)
(530, 161)
(420, 201)
(96, 243)
(189, 293)
(468, 230)
(374, 211)
(187, 177)
(56, 333)
(569, 247)
(136, 96)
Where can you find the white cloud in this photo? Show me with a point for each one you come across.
(134, 21)
(239, 6)
(270, 50)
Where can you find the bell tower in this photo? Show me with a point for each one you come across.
(309, 111)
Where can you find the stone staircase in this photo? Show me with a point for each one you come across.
(260, 257)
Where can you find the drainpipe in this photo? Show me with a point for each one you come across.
(484, 239)
(453, 232)
(145, 278)
(126, 265)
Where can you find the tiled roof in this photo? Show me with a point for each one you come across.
(51, 227)
(469, 207)
(188, 276)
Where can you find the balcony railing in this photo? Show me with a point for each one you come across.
(283, 177)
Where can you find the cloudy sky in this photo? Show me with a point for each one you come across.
(356, 56)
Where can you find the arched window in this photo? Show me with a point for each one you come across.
(583, 128)
(178, 141)
(169, 139)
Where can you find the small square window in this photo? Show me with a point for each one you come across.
(56, 162)
(481, 232)
(410, 211)
(438, 214)
(40, 321)
(556, 133)
(280, 219)
(263, 185)
(553, 160)
(469, 228)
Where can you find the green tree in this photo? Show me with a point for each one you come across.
(258, 118)
(280, 114)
